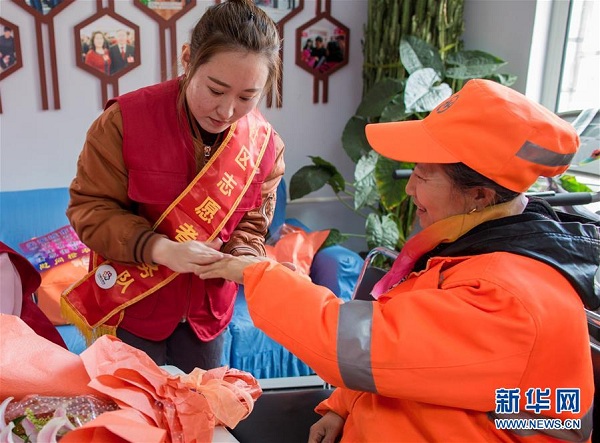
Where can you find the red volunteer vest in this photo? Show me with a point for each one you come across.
(159, 155)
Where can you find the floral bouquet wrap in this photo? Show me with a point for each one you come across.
(111, 392)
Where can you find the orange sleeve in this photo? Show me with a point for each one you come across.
(286, 306)
(340, 401)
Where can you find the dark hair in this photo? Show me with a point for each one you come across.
(104, 41)
(465, 178)
(234, 25)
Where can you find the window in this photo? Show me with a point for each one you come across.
(579, 84)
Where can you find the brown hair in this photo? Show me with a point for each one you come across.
(234, 25)
(465, 178)
(104, 41)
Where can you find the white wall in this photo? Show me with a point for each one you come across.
(39, 149)
(503, 28)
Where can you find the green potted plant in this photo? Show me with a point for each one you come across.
(432, 76)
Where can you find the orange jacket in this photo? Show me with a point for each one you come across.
(423, 363)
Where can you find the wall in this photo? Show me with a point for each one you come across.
(39, 149)
(505, 29)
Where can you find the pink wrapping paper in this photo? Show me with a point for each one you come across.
(154, 404)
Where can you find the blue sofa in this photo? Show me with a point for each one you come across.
(32, 213)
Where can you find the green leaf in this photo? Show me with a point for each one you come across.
(335, 237)
(379, 97)
(422, 94)
(503, 79)
(313, 177)
(392, 191)
(336, 181)
(472, 64)
(354, 140)
(365, 188)
(417, 54)
(395, 111)
(381, 231)
(570, 183)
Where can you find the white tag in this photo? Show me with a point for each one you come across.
(106, 276)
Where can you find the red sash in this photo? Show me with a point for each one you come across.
(95, 304)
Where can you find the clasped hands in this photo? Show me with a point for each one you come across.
(227, 266)
(204, 259)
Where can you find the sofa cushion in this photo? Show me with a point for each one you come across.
(33, 213)
(54, 281)
(252, 351)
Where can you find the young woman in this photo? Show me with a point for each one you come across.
(481, 317)
(169, 173)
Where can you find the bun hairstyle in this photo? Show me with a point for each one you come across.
(235, 25)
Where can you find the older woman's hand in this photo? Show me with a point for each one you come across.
(232, 268)
(229, 267)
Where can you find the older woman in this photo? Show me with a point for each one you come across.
(470, 324)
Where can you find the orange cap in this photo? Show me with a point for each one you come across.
(491, 128)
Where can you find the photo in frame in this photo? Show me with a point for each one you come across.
(43, 6)
(10, 48)
(167, 9)
(107, 47)
(322, 47)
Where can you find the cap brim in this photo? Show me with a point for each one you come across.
(407, 141)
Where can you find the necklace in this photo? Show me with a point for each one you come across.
(208, 147)
(207, 152)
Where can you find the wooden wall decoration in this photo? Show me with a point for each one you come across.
(10, 50)
(107, 46)
(280, 11)
(44, 12)
(166, 13)
(322, 48)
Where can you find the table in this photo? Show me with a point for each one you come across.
(222, 435)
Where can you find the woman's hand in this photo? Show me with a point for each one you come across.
(327, 429)
(232, 267)
(187, 256)
(229, 267)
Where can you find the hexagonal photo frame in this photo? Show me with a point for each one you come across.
(107, 45)
(165, 10)
(322, 46)
(44, 10)
(10, 49)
